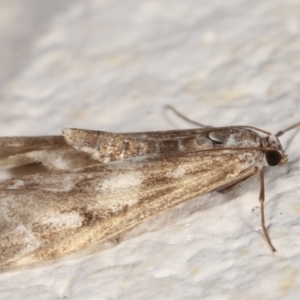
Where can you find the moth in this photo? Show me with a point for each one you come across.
(98, 184)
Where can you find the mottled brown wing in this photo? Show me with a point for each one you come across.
(51, 151)
(49, 215)
(59, 152)
(107, 146)
(55, 153)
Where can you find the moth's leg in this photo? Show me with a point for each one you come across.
(180, 115)
(246, 175)
(262, 210)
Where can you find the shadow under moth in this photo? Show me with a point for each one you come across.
(98, 184)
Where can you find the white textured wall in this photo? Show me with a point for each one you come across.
(112, 65)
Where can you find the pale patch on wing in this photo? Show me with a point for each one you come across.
(122, 182)
(71, 220)
(28, 236)
(117, 187)
(105, 159)
(53, 185)
(179, 171)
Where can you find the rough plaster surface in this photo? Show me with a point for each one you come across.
(113, 65)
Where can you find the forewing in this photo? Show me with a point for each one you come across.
(107, 147)
(49, 215)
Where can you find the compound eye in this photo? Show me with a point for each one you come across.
(273, 158)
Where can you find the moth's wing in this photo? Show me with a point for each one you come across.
(49, 215)
(51, 151)
(107, 146)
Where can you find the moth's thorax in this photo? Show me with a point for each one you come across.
(260, 144)
(234, 137)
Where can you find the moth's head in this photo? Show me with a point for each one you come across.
(274, 154)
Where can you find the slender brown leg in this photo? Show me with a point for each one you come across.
(262, 211)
